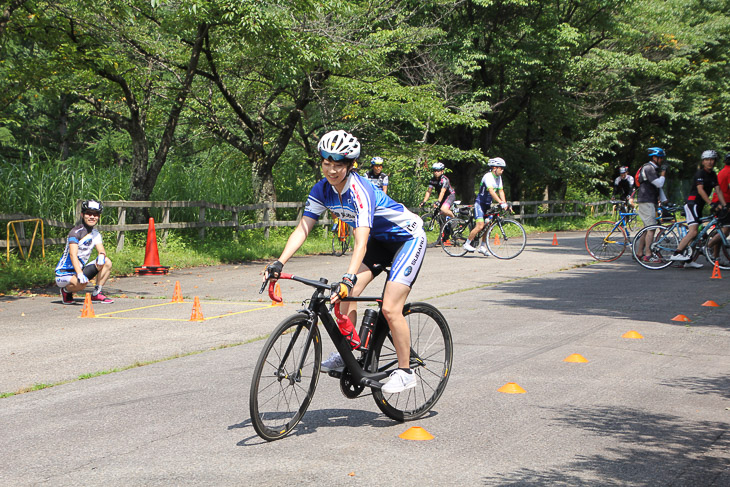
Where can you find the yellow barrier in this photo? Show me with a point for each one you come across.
(32, 240)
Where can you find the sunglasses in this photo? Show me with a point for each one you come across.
(89, 213)
(334, 157)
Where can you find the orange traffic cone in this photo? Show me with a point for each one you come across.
(496, 239)
(151, 257)
(177, 294)
(716, 271)
(555, 239)
(88, 310)
(197, 314)
(277, 293)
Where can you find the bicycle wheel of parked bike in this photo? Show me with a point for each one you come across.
(506, 239)
(431, 356)
(718, 253)
(429, 222)
(664, 243)
(456, 231)
(606, 241)
(340, 245)
(281, 390)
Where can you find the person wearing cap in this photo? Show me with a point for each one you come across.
(651, 180)
(623, 186)
(705, 181)
(74, 270)
(376, 176)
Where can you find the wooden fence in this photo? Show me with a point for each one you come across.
(538, 209)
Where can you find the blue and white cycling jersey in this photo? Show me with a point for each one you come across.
(86, 240)
(362, 205)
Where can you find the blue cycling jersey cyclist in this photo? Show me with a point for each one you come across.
(490, 189)
(386, 234)
(74, 270)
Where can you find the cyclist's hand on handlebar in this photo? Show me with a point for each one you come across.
(273, 270)
(343, 289)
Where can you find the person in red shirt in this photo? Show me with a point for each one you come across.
(723, 179)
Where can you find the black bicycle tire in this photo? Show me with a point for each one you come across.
(506, 223)
(407, 405)
(600, 241)
(458, 233)
(258, 421)
(665, 262)
(722, 264)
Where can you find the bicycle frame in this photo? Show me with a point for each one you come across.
(318, 309)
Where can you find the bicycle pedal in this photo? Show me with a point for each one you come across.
(336, 373)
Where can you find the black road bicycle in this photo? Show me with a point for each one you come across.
(288, 368)
(506, 238)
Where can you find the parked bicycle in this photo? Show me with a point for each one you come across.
(287, 371)
(608, 240)
(341, 237)
(666, 240)
(506, 238)
(433, 219)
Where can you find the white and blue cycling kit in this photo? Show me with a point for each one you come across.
(484, 198)
(393, 228)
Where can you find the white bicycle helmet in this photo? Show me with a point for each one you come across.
(438, 166)
(710, 154)
(376, 161)
(339, 145)
(497, 162)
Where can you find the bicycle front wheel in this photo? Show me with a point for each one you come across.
(506, 239)
(455, 233)
(285, 377)
(431, 357)
(717, 253)
(340, 245)
(606, 241)
(665, 241)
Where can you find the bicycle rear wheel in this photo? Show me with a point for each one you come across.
(457, 231)
(281, 391)
(506, 239)
(606, 241)
(431, 357)
(723, 253)
(664, 242)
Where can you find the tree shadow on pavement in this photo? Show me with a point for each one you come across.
(621, 291)
(651, 449)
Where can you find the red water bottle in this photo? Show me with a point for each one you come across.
(347, 328)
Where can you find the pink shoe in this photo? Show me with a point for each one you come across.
(100, 298)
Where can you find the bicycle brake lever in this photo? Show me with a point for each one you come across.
(263, 286)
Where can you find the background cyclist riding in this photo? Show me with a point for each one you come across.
(490, 189)
(623, 186)
(376, 175)
(386, 234)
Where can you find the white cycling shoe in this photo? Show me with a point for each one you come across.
(399, 381)
(484, 251)
(469, 248)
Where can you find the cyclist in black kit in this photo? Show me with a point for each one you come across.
(442, 185)
(623, 186)
(705, 181)
(376, 176)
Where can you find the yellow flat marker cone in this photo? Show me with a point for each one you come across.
(681, 318)
(512, 388)
(632, 334)
(710, 303)
(576, 357)
(416, 433)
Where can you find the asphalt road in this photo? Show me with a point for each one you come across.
(649, 411)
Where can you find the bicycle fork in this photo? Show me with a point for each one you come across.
(281, 372)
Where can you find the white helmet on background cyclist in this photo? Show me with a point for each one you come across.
(339, 145)
(438, 166)
(497, 162)
(710, 154)
(376, 161)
